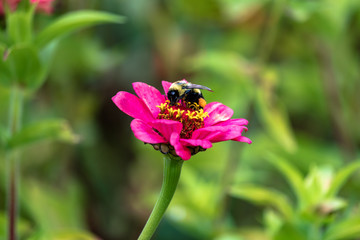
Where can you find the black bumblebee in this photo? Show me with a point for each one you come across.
(188, 92)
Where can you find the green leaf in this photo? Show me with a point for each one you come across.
(5, 74)
(24, 67)
(288, 231)
(263, 196)
(317, 183)
(3, 135)
(228, 236)
(74, 21)
(62, 218)
(341, 177)
(40, 131)
(64, 205)
(47, 55)
(2, 48)
(301, 11)
(273, 113)
(329, 206)
(293, 177)
(3, 38)
(19, 26)
(64, 235)
(273, 221)
(235, 10)
(346, 229)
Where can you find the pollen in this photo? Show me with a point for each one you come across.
(191, 115)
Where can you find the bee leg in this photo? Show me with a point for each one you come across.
(202, 102)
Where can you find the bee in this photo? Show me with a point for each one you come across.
(188, 92)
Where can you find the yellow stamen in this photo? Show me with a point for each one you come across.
(190, 115)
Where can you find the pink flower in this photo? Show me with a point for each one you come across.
(42, 5)
(178, 130)
(11, 3)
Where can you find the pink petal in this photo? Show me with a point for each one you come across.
(12, 4)
(196, 142)
(167, 127)
(150, 95)
(171, 131)
(180, 149)
(145, 133)
(218, 112)
(242, 139)
(166, 85)
(238, 122)
(43, 5)
(218, 133)
(132, 105)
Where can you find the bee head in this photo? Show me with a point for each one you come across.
(173, 96)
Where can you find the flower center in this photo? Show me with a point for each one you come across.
(191, 115)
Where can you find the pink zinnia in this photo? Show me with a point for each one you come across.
(42, 5)
(178, 130)
(11, 3)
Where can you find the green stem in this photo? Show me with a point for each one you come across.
(15, 112)
(172, 170)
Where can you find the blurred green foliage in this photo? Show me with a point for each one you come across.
(289, 66)
(316, 213)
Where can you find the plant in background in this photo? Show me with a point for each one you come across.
(41, 5)
(179, 131)
(25, 58)
(317, 213)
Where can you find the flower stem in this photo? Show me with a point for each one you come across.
(172, 170)
(15, 112)
(12, 190)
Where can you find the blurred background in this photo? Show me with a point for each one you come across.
(291, 67)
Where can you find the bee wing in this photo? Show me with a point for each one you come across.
(196, 86)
